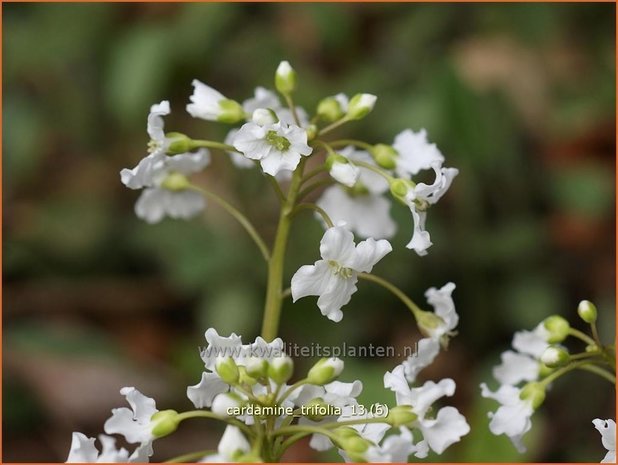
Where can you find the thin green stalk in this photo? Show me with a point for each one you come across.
(191, 457)
(315, 208)
(291, 440)
(581, 336)
(416, 311)
(601, 372)
(291, 389)
(375, 169)
(213, 145)
(562, 371)
(354, 142)
(332, 126)
(210, 415)
(272, 306)
(313, 173)
(316, 185)
(290, 102)
(277, 188)
(242, 219)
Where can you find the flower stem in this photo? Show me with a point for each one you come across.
(191, 457)
(395, 290)
(316, 185)
(356, 143)
(581, 336)
(272, 306)
(375, 169)
(213, 145)
(242, 219)
(206, 414)
(600, 371)
(333, 126)
(314, 207)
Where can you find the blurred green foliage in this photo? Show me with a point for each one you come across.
(519, 97)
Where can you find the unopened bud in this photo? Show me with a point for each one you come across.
(325, 371)
(223, 403)
(587, 311)
(257, 367)
(399, 188)
(534, 393)
(401, 415)
(280, 369)
(360, 106)
(176, 182)
(557, 327)
(555, 357)
(285, 78)
(264, 117)
(230, 111)
(164, 423)
(385, 156)
(330, 110)
(227, 369)
(178, 143)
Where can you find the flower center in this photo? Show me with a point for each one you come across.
(278, 142)
(339, 270)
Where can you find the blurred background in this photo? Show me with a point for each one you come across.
(519, 97)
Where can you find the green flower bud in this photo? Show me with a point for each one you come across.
(285, 78)
(428, 323)
(558, 328)
(352, 443)
(385, 156)
(360, 106)
(325, 371)
(335, 158)
(401, 415)
(227, 369)
(178, 143)
(312, 132)
(587, 311)
(544, 370)
(264, 117)
(280, 369)
(257, 367)
(176, 182)
(316, 409)
(358, 189)
(245, 378)
(164, 423)
(555, 357)
(399, 188)
(231, 111)
(329, 110)
(533, 392)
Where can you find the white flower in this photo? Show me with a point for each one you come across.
(142, 174)
(203, 393)
(277, 147)
(397, 448)
(238, 159)
(442, 302)
(419, 198)
(334, 277)
(367, 215)
(360, 105)
(346, 173)
(447, 427)
(513, 416)
(415, 153)
(134, 423)
(83, 450)
(209, 104)
(167, 193)
(515, 368)
(427, 350)
(232, 446)
(607, 428)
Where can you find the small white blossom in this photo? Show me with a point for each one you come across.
(209, 104)
(346, 173)
(607, 428)
(415, 153)
(442, 302)
(232, 446)
(83, 450)
(448, 425)
(419, 198)
(334, 277)
(277, 146)
(134, 423)
(513, 416)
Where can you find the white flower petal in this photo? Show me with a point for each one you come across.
(345, 173)
(155, 121)
(367, 254)
(203, 393)
(204, 102)
(310, 280)
(447, 428)
(415, 153)
(421, 240)
(531, 342)
(338, 244)
(427, 350)
(337, 294)
(516, 368)
(82, 450)
(188, 163)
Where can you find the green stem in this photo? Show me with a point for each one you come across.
(395, 290)
(561, 371)
(242, 219)
(290, 102)
(315, 208)
(213, 145)
(325, 427)
(206, 414)
(581, 336)
(333, 126)
(191, 457)
(356, 143)
(375, 169)
(276, 187)
(601, 372)
(313, 173)
(291, 389)
(272, 306)
(316, 185)
(291, 440)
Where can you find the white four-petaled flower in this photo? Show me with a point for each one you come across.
(334, 277)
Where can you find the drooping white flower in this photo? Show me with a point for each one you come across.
(334, 277)
(442, 302)
(232, 446)
(277, 146)
(513, 416)
(419, 198)
(427, 350)
(135, 423)
(345, 172)
(448, 425)
(141, 176)
(607, 428)
(209, 104)
(83, 450)
(167, 192)
(415, 153)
